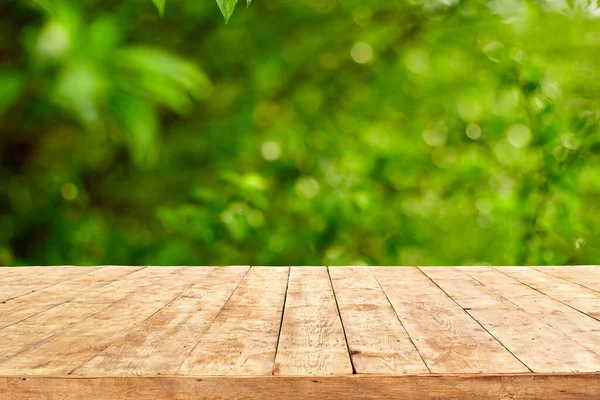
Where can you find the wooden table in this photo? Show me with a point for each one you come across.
(299, 333)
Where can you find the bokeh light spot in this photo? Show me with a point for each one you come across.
(484, 206)
(473, 131)
(361, 52)
(307, 187)
(417, 61)
(270, 150)
(436, 135)
(68, 191)
(519, 136)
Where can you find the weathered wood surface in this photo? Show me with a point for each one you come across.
(341, 387)
(303, 332)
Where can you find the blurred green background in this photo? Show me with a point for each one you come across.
(305, 132)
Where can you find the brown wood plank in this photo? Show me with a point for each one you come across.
(115, 290)
(578, 326)
(67, 350)
(6, 272)
(588, 276)
(23, 307)
(160, 344)
(448, 339)
(526, 336)
(337, 387)
(242, 339)
(174, 333)
(33, 279)
(14, 275)
(312, 340)
(377, 341)
(19, 336)
(573, 294)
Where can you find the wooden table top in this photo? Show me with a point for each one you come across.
(300, 332)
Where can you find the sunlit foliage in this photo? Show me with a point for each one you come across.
(316, 132)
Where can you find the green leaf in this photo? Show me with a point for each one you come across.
(161, 77)
(141, 126)
(160, 5)
(79, 89)
(227, 7)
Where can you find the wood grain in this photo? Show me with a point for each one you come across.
(570, 293)
(448, 339)
(15, 310)
(20, 336)
(588, 276)
(514, 327)
(304, 332)
(113, 291)
(242, 339)
(27, 282)
(312, 340)
(160, 344)
(341, 387)
(578, 326)
(67, 350)
(17, 275)
(377, 341)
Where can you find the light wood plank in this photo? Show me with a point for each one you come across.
(312, 340)
(573, 294)
(14, 275)
(20, 336)
(242, 339)
(33, 279)
(578, 326)
(64, 352)
(378, 342)
(23, 307)
(116, 333)
(160, 344)
(337, 387)
(448, 339)
(115, 290)
(588, 276)
(6, 272)
(527, 337)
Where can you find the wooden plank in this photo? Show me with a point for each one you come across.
(588, 276)
(20, 336)
(337, 387)
(377, 341)
(160, 344)
(114, 291)
(242, 339)
(312, 340)
(33, 279)
(15, 274)
(6, 272)
(570, 293)
(527, 337)
(23, 307)
(576, 325)
(126, 336)
(448, 339)
(64, 352)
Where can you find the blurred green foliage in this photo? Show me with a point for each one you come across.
(314, 132)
